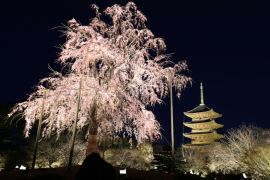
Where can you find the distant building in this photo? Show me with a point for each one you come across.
(203, 126)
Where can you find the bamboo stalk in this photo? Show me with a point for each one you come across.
(74, 127)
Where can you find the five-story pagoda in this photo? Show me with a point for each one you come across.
(203, 125)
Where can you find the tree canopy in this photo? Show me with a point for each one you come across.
(123, 69)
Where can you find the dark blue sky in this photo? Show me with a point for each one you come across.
(225, 43)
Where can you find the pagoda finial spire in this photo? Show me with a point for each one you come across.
(202, 97)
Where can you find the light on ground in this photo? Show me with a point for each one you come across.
(123, 171)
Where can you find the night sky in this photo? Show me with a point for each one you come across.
(226, 45)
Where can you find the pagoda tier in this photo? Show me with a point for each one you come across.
(203, 125)
(202, 112)
(203, 137)
(198, 147)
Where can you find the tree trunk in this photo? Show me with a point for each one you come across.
(92, 145)
(71, 150)
(38, 132)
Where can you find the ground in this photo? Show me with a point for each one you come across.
(62, 174)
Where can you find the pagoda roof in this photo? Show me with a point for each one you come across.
(203, 136)
(202, 112)
(200, 108)
(208, 124)
(196, 146)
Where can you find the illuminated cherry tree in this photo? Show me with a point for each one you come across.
(122, 69)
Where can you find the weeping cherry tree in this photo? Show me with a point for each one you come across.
(121, 69)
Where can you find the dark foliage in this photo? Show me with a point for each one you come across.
(94, 167)
(48, 177)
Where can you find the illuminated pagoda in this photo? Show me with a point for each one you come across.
(203, 125)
